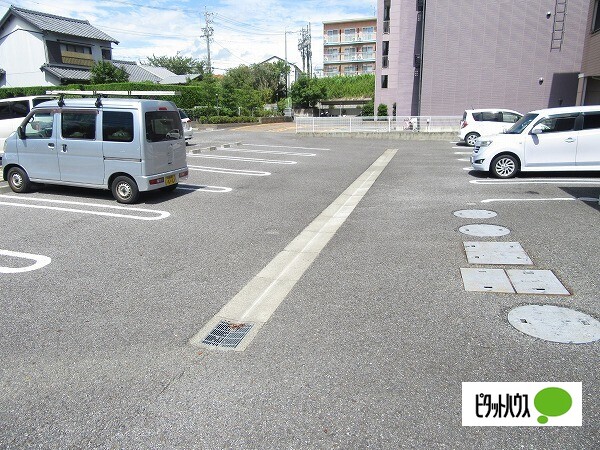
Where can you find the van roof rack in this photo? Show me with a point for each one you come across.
(117, 93)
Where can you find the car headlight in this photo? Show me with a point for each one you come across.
(484, 143)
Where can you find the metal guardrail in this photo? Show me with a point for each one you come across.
(424, 124)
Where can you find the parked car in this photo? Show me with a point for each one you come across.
(123, 145)
(13, 110)
(188, 131)
(483, 122)
(555, 139)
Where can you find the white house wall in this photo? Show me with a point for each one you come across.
(21, 55)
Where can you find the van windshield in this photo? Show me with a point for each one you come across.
(519, 126)
(163, 126)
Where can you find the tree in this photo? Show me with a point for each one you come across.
(382, 110)
(179, 65)
(369, 109)
(106, 72)
(307, 92)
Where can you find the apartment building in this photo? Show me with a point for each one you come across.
(588, 91)
(440, 57)
(349, 47)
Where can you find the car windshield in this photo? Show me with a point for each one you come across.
(519, 126)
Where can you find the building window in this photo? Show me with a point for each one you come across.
(596, 24)
(384, 81)
(79, 55)
(350, 35)
(106, 54)
(350, 70)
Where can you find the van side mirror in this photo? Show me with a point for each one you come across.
(538, 129)
(21, 132)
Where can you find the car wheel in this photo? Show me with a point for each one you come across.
(470, 139)
(18, 180)
(505, 166)
(125, 190)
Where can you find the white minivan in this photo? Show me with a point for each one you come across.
(13, 110)
(124, 145)
(555, 139)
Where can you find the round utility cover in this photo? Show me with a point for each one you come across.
(480, 229)
(475, 214)
(555, 324)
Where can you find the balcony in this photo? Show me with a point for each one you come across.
(349, 57)
(349, 38)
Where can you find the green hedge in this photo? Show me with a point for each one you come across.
(227, 119)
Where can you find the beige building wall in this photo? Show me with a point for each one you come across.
(588, 92)
(349, 47)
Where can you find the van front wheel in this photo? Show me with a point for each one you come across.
(125, 190)
(18, 180)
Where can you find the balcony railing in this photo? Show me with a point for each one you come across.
(352, 57)
(348, 39)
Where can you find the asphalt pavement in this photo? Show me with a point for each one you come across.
(369, 347)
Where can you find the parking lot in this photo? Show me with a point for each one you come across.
(346, 258)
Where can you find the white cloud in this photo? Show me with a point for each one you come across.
(245, 31)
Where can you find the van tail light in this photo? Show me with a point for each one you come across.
(463, 124)
(157, 181)
(183, 174)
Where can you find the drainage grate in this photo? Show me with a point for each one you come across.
(227, 334)
(475, 214)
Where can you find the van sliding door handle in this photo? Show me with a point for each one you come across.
(569, 140)
(51, 145)
(64, 148)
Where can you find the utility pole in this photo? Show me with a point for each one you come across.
(208, 32)
(304, 47)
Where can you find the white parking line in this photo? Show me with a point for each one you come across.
(463, 153)
(158, 215)
(200, 188)
(259, 299)
(255, 173)
(40, 261)
(463, 159)
(286, 146)
(240, 158)
(270, 152)
(537, 181)
(556, 199)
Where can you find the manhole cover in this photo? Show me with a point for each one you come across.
(486, 280)
(227, 334)
(536, 282)
(475, 214)
(496, 253)
(484, 230)
(555, 324)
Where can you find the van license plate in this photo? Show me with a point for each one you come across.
(169, 180)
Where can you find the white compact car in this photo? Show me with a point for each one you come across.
(483, 122)
(188, 131)
(555, 139)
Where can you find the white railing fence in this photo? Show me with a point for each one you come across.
(423, 124)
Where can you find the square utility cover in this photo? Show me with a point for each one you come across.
(486, 280)
(496, 253)
(536, 282)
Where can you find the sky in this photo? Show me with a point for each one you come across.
(245, 31)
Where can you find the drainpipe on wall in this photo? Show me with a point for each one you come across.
(422, 46)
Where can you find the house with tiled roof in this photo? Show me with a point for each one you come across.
(39, 49)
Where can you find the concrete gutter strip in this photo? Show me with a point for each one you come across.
(400, 136)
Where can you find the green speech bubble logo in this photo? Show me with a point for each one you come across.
(552, 402)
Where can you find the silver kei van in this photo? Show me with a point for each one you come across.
(124, 145)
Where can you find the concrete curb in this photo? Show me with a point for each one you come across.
(402, 135)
